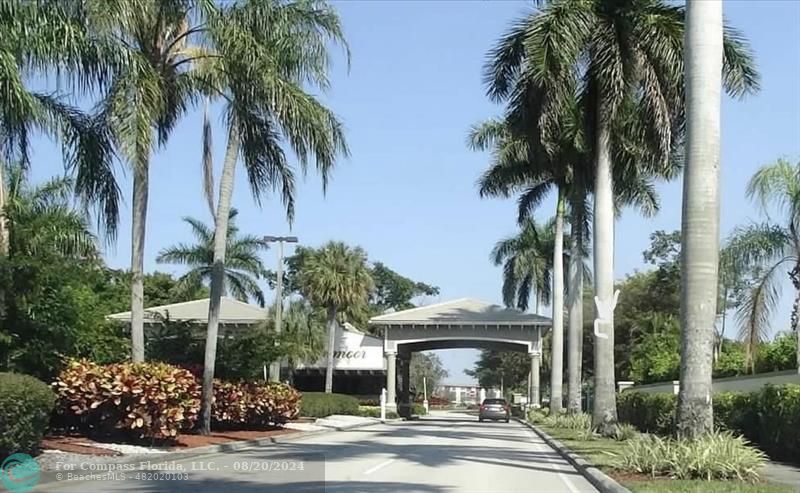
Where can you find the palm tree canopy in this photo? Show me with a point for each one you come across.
(243, 265)
(759, 253)
(778, 185)
(627, 55)
(335, 276)
(527, 260)
(41, 39)
(43, 217)
(266, 52)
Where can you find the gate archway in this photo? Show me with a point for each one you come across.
(463, 323)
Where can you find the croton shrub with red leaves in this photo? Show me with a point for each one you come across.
(254, 404)
(157, 400)
(144, 400)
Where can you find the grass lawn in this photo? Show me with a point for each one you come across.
(599, 452)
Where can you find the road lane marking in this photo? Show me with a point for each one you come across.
(379, 466)
(554, 462)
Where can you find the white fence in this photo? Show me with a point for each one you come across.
(744, 383)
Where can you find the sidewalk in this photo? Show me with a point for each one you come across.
(779, 472)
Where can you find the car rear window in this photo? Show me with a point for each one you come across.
(494, 401)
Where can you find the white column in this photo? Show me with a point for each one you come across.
(458, 395)
(391, 380)
(483, 395)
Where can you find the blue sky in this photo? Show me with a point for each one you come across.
(407, 193)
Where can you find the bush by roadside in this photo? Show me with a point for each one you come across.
(152, 400)
(769, 417)
(320, 404)
(650, 413)
(254, 404)
(375, 412)
(159, 401)
(715, 456)
(26, 404)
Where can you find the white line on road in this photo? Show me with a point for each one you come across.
(542, 447)
(379, 466)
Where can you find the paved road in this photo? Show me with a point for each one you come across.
(443, 453)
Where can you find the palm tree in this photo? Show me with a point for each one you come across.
(243, 267)
(302, 335)
(44, 218)
(700, 218)
(45, 226)
(533, 164)
(147, 97)
(41, 39)
(527, 260)
(626, 60)
(335, 277)
(267, 52)
(766, 248)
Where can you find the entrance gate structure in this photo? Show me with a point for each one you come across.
(464, 323)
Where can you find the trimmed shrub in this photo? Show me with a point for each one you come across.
(769, 417)
(537, 416)
(737, 412)
(778, 431)
(720, 456)
(25, 407)
(418, 410)
(375, 412)
(623, 432)
(650, 413)
(320, 404)
(152, 400)
(580, 421)
(254, 404)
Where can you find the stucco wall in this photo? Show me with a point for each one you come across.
(745, 383)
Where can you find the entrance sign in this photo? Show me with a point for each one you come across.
(353, 350)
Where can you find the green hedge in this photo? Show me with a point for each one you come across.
(651, 413)
(25, 407)
(375, 412)
(320, 404)
(769, 417)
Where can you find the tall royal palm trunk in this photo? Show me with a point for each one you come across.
(141, 186)
(604, 413)
(331, 348)
(575, 310)
(557, 351)
(700, 223)
(218, 272)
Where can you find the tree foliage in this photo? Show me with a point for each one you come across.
(427, 366)
(243, 265)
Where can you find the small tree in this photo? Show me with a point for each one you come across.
(335, 277)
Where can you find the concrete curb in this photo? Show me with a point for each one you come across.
(50, 477)
(599, 480)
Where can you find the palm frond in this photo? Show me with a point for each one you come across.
(755, 311)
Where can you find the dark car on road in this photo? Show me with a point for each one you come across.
(494, 409)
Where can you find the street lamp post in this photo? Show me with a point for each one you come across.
(275, 366)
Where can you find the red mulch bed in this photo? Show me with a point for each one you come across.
(74, 444)
(191, 440)
(78, 444)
